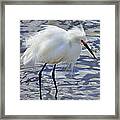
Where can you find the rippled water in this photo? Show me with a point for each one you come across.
(84, 84)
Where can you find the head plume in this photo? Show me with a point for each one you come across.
(77, 32)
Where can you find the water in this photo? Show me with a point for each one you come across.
(83, 85)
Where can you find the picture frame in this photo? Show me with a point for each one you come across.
(2, 60)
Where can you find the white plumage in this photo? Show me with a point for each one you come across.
(53, 45)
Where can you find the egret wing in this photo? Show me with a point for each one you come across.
(47, 31)
(43, 46)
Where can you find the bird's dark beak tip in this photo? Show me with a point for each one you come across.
(95, 58)
(85, 44)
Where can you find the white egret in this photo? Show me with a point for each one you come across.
(54, 45)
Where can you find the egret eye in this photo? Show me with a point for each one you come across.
(81, 41)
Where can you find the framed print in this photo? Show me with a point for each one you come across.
(60, 59)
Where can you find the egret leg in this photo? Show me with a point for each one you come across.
(53, 76)
(67, 67)
(40, 74)
(72, 70)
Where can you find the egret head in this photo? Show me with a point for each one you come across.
(77, 35)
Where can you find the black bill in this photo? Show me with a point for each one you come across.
(85, 44)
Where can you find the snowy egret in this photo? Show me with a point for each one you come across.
(53, 45)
